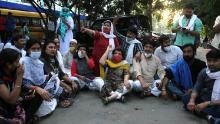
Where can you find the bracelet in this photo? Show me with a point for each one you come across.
(164, 90)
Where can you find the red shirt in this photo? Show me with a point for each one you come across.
(2, 23)
(74, 72)
(100, 45)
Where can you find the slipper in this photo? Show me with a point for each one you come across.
(65, 103)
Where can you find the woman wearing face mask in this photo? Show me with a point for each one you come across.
(68, 58)
(34, 80)
(117, 82)
(11, 74)
(102, 40)
(168, 54)
(82, 68)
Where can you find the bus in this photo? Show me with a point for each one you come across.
(24, 12)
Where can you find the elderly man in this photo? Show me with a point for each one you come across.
(146, 65)
(205, 97)
(187, 27)
(168, 54)
(181, 76)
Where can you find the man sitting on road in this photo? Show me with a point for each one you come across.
(205, 97)
(145, 67)
(183, 73)
(168, 54)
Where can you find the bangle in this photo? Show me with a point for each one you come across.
(164, 90)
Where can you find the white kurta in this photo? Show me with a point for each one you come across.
(216, 39)
(64, 45)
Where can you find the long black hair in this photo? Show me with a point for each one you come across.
(8, 56)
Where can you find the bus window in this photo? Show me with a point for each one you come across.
(36, 22)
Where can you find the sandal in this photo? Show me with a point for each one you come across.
(65, 103)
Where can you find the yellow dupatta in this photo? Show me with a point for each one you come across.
(123, 64)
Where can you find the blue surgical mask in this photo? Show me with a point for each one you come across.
(35, 55)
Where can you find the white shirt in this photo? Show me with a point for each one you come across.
(216, 39)
(169, 57)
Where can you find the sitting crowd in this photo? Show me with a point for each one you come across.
(35, 78)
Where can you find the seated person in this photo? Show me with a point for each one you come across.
(35, 80)
(183, 73)
(68, 58)
(18, 43)
(168, 54)
(11, 74)
(82, 68)
(205, 97)
(51, 65)
(145, 68)
(117, 82)
(59, 57)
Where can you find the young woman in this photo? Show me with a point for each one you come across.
(51, 65)
(82, 68)
(11, 74)
(117, 82)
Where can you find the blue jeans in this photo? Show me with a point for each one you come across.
(213, 111)
(174, 89)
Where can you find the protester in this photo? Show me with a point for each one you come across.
(216, 28)
(10, 26)
(130, 45)
(145, 69)
(58, 54)
(181, 76)
(11, 74)
(64, 30)
(101, 41)
(25, 31)
(167, 53)
(51, 66)
(117, 82)
(18, 43)
(2, 28)
(205, 97)
(82, 68)
(68, 58)
(187, 27)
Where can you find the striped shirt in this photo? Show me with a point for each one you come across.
(124, 45)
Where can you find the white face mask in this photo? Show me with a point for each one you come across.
(80, 54)
(35, 55)
(129, 39)
(168, 48)
(147, 55)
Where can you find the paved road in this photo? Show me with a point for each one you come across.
(88, 109)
